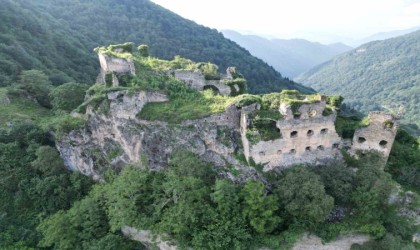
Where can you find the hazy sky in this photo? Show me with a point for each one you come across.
(322, 20)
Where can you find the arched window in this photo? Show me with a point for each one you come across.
(361, 139)
(383, 143)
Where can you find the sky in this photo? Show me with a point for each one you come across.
(318, 20)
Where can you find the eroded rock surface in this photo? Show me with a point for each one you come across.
(118, 137)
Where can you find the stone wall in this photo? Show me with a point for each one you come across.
(309, 139)
(196, 80)
(379, 135)
(116, 66)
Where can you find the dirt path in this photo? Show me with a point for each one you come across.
(342, 243)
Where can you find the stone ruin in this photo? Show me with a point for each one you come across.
(311, 138)
(115, 66)
(379, 135)
(195, 79)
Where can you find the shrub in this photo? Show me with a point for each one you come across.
(68, 96)
(143, 50)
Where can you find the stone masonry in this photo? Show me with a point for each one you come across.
(379, 135)
(116, 66)
(196, 80)
(311, 138)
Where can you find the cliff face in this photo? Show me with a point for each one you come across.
(115, 136)
(118, 137)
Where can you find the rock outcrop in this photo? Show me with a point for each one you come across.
(117, 137)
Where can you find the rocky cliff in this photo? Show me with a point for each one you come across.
(118, 137)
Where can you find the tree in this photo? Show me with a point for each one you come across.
(227, 228)
(48, 161)
(259, 208)
(37, 85)
(73, 229)
(373, 187)
(303, 196)
(68, 96)
(130, 199)
(338, 180)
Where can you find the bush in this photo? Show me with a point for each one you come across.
(68, 96)
(303, 196)
(143, 50)
(37, 85)
(246, 100)
(209, 71)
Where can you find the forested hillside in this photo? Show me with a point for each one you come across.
(58, 37)
(290, 57)
(30, 39)
(377, 75)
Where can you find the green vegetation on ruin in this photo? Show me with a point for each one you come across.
(263, 122)
(263, 125)
(185, 103)
(346, 126)
(45, 206)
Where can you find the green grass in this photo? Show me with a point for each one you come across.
(193, 105)
(346, 126)
(263, 126)
(21, 109)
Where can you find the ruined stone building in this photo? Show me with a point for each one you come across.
(114, 67)
(120, 136)
(195, 79)
(311, 138)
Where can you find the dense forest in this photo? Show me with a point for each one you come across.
(45, 206)
(381, 75)
(58, 38)
(47, 66)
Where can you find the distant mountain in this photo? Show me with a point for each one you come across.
(384, 35)
(377, 75)
(58, 37)
(290, 57)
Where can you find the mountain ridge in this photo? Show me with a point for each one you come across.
(85, 25)
(289, 56)
(377, 75)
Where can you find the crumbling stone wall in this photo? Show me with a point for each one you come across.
(115, 66)
(196, 80)
(308, 139)
(379, 135)
(230, 118)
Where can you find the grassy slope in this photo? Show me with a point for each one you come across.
(382, 75)
(21, 109)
